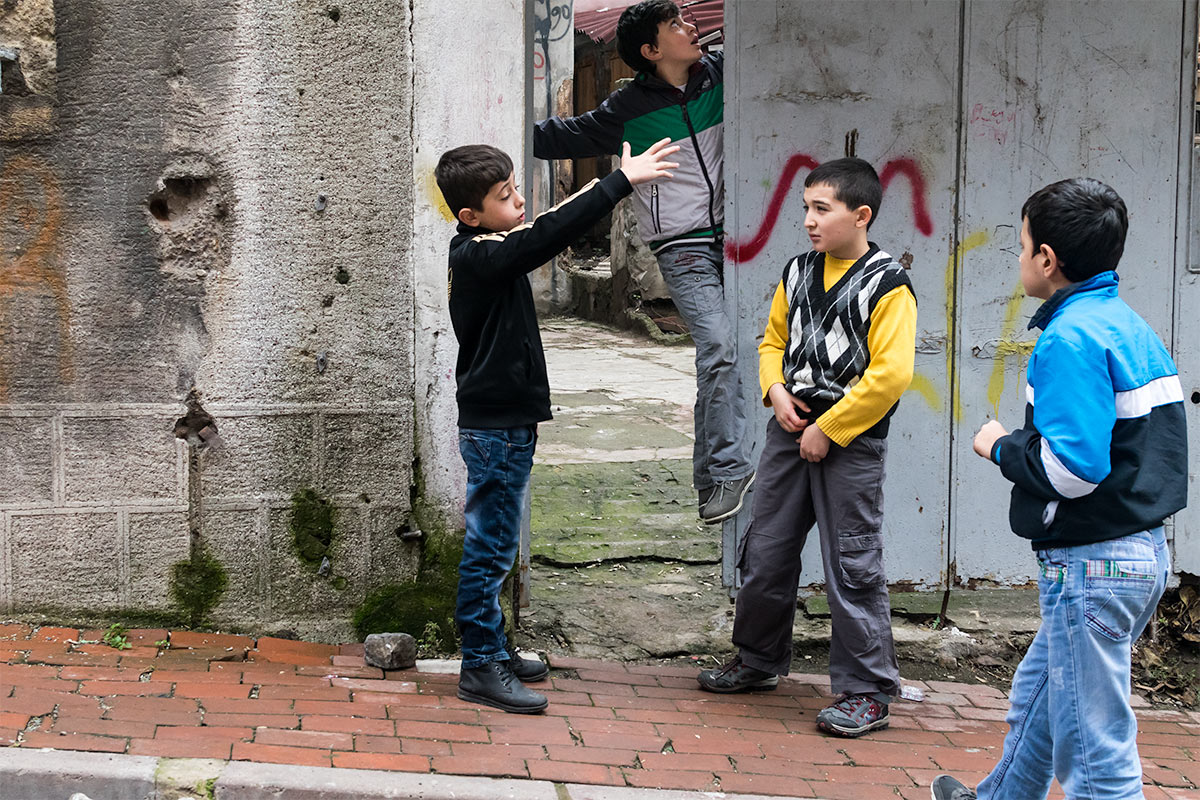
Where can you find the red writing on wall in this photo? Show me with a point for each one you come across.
(993, 123)
(742, 251)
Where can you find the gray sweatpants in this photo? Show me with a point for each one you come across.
(843, 495)
(693, 273)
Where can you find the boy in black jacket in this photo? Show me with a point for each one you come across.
(503, 391)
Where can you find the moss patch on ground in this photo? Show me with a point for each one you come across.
(583, 513)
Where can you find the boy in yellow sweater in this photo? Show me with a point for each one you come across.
(836, 356)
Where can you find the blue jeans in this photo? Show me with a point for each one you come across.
(498, 462)
(1070, 717)
(693, 274)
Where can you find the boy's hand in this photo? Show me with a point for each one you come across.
(650, 164)
(785, 404)
(986, 438)
(814, 444)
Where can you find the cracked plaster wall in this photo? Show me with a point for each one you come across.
(227, 199)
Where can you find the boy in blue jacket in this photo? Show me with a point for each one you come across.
(678, 94)
(1098, 466)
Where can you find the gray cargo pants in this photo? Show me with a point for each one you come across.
(694, 276)
(843, 496)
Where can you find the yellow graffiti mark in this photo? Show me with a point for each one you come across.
(31, 214)
(977, 239)
(1006, 349)
(924, 387)
(434, 195)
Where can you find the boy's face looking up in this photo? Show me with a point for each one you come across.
(832, 226)
(678, 45)
(503, 208)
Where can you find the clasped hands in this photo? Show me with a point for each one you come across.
(814, 444)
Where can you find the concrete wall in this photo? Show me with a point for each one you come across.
(965, 108)
(552, 63)
(226, 210)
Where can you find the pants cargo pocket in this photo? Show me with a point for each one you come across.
(861, 559)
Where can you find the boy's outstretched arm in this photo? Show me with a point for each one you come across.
(525, 248)
(596, 133)
(1066, 453)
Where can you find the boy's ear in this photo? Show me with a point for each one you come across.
(468, 216)
(1051, 266)
(650, 52)
(862, 216)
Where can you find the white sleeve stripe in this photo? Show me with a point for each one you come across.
(1065, 482)
(1140, 401)
(1029, 393)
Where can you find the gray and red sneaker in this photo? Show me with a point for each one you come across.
(946, 788)
(853, 715)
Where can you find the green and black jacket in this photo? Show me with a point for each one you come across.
(689, 206)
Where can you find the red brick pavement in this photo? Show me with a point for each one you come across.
(272, 700)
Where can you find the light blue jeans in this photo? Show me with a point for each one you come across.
(498, 461)
(694, 276)
(1070, 717)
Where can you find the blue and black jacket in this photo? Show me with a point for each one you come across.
(689, 206)
(1103, 452)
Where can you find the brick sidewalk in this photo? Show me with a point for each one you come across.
(279, 701)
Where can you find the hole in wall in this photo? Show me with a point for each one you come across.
(178, 198)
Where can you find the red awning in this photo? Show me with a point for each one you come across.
(598, 18)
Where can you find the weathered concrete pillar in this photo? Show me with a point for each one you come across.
(224, 348)
(553, 92)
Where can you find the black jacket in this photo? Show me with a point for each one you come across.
(501, 370)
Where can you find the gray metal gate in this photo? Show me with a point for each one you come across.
(965, 108)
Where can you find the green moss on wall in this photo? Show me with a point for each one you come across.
(311, 526)
(196, 585)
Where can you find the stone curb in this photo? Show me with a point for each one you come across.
(57, 774)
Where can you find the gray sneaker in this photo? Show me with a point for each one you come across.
(726, 500)
(946, 788)
(705, 495)
(852, 715)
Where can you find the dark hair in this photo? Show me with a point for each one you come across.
(466, 174)
(1083, 220)
(637, 26)
(854, 183)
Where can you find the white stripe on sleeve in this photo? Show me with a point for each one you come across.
(1065, 482)
(1139, 402)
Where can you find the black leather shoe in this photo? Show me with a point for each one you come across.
(736, 677)
(494, 684)
(528, 670)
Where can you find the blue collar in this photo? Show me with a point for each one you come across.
(1104, 282)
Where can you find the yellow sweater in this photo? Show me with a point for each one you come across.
(890, 341)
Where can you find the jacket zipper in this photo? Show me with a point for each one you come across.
(654, 209)
(712, 217)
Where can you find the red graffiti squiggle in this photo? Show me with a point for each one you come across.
(916, 181)
(740, 252)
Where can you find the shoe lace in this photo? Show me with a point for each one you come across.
(851, 703)
(505, 672)
(730, 666)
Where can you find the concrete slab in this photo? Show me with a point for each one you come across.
(244, 780)
(61, 773)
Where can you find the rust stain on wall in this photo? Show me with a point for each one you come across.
(31, 216)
